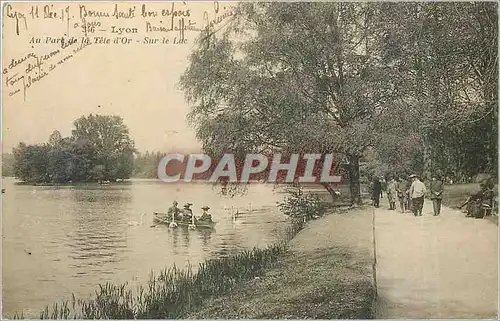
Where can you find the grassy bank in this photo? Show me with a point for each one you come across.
(456, 194)
(172, 293)
(327, 273)
(324, 284)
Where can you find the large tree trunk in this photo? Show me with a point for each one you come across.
(355, 187)
(330, 190)
(427, 172)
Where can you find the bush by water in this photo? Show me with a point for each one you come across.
(301, 207)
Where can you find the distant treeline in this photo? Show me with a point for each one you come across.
(99, 148)
(146, 164)
(7, 165)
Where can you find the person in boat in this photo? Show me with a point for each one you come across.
(173, 211)
(187, 212)
(205, 216)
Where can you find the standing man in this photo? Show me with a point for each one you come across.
(376, 192)
(409, 204)
(437, 188)
(417, 192)
(402, 189)
(392, 193)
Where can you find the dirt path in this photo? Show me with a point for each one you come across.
(435, 267)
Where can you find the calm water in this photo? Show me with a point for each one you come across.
(79, 236)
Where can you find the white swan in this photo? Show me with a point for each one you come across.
(135, 223)
(234, 216)
(172, 224)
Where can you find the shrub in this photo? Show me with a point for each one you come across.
(301, 207)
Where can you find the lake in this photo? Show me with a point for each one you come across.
(68, 239)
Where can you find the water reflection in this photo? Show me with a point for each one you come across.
(185, 236)
(98, 240)
(205, 235)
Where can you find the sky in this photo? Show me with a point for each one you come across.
(138, 82)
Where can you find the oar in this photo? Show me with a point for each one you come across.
(155, 225)
(163, 221)
(192, 225)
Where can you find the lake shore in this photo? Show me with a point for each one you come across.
(326, 273)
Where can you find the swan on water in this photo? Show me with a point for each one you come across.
(234, 216)
(135, 223)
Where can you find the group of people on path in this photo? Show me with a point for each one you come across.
(186, 214)
(410, 193)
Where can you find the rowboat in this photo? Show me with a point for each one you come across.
(162, 218)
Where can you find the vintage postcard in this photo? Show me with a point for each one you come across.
(249, 160)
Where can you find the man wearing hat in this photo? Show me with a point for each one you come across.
(173, 211)
(392, 193)
(402, 190)
(437, 187)
(205, 216)
(417, 192)
(480, 203)
(187, 213)
(376, 192)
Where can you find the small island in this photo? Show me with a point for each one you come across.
(99, 150)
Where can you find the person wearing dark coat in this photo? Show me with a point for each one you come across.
(410, 201)
(480, 203)
(376, 192)
(437, 188)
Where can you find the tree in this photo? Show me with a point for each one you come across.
(99, 149)
(55, 138)
(146, 165)
(306, 77)
(106, 143)
(448, 67)
(32, 162)
(21, 166)
(8, 165)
